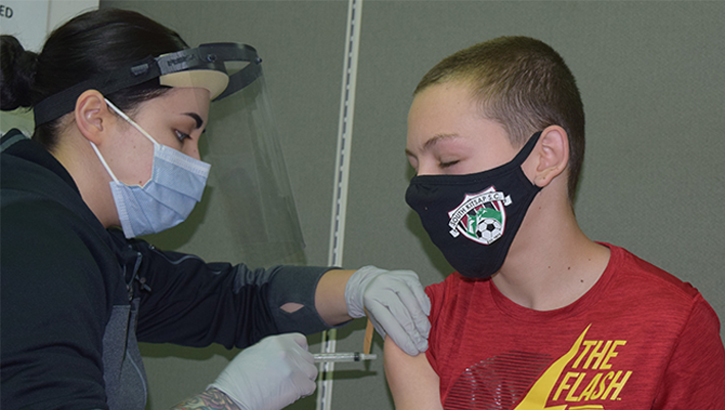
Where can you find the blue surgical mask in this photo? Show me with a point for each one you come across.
(176, 185)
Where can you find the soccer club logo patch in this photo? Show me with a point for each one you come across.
(480, 217)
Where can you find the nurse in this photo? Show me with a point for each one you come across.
(120, 103)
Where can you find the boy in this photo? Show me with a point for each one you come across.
(537, 316)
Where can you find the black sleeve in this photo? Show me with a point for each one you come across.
(190, 302)
(55, 300)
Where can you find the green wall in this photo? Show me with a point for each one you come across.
(653, 86)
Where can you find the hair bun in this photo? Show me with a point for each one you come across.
(17, 71)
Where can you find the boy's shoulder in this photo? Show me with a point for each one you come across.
(628, 272)
(628, 281)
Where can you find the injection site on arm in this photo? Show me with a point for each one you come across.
(412, 381)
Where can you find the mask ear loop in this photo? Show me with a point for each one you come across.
(103, 161)
(132, 122)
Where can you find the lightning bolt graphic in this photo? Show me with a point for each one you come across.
(541, 390)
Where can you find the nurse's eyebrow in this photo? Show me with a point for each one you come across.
(196, 117)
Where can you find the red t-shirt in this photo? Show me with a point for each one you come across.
(639, 339)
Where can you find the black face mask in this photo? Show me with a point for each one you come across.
(473, 218)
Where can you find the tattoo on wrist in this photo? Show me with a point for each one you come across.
(212, 399)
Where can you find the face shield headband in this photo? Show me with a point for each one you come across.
(206, 66)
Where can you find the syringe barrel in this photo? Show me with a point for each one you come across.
(343, 357)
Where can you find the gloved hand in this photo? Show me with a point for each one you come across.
(271, 374)
(396, 304)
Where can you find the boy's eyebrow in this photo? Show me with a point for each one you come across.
(433, 141)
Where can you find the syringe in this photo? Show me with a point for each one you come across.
(343, 357)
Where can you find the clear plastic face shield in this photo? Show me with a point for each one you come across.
(248, 180)
(248, 190)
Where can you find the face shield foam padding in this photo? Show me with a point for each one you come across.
(214, 81)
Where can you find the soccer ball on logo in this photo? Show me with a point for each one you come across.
(488, 230)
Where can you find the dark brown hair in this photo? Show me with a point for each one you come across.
(90, 44)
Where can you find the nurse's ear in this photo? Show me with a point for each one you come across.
(93, 116)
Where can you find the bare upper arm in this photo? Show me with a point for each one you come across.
(412, 381)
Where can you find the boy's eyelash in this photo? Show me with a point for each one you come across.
(448, 164)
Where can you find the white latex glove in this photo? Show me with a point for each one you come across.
(271, 374)
(396, 303)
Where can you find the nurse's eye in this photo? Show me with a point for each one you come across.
(181, 136)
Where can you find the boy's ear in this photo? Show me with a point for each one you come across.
(92, 116)
(552, 152)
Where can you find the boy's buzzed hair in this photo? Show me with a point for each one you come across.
(523, 84)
